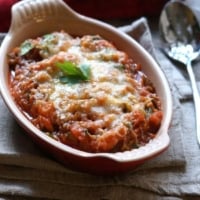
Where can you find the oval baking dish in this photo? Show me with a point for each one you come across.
(31, 19)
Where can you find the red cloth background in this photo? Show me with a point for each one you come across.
(110, 9)
(117, 8)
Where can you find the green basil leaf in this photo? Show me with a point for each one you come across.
(25, 47)
(119, 66)
(48, 37)
(69, 79)
(74, 73)
(85, 69)
(69, 68)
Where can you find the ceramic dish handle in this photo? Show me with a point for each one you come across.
(39, 10)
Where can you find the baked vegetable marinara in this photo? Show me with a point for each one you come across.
(84, 92)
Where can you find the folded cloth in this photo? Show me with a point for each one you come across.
(27, 171)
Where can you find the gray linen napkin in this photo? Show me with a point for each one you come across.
(26, 171)
(182, 182)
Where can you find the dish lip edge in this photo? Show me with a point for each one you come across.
(15, 110)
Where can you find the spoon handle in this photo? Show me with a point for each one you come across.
(196, 98)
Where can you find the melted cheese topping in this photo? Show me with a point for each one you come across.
(113, 110)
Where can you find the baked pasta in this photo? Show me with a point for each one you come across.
(84, 92)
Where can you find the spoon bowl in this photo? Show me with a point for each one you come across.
(178, 24)
(180, 35)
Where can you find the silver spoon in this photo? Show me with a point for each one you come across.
(180, 33)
